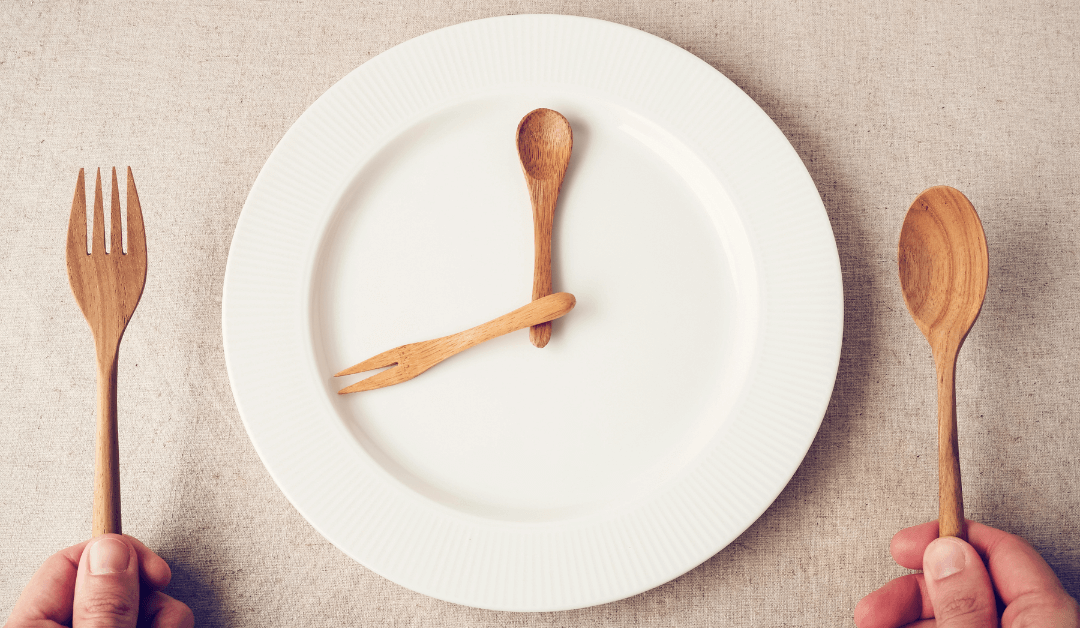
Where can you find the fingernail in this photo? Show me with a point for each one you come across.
(108, 555)
(944, 557)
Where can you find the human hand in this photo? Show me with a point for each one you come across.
(110, 581)
(956, 590)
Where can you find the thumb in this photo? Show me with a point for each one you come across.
(107, 585)
(958, 585)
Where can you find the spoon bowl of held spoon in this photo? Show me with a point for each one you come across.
(943, 274)
(544, 142)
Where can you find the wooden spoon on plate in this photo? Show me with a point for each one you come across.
(943, 274)
(544, 141)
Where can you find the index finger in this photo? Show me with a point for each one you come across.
(152, 568)
(1014, 566)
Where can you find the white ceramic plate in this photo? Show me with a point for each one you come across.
(671, 406)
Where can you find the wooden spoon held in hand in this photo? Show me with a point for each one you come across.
(943, 274)
(544, 141)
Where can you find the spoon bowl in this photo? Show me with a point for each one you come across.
(544, 142)
(943, 274)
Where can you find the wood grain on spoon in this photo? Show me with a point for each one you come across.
(944, 268)
(544, 142)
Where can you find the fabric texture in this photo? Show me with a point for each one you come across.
(880, 100)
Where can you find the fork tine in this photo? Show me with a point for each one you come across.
(136, 234)
(386, 358)
(99, 218)
(116, 228)
(77, 222)
(388, 377)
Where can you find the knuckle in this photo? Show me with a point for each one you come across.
(959, 609)
(168, 612)
(178, 616)
(186, 619)
(109, 610)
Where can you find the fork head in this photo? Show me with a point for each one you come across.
(107, 283)
(406, 362)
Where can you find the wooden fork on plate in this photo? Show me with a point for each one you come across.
(107, 285)
(410, 360)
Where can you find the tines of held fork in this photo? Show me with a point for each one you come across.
(107, 283)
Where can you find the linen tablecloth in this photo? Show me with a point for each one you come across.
(880, 100)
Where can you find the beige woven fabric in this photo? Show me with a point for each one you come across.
(881, 100)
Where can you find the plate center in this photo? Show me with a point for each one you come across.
(433, 235)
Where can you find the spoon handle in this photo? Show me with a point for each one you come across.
(544, 194)
(950, 491)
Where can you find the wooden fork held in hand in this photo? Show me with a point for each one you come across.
(107, 285)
